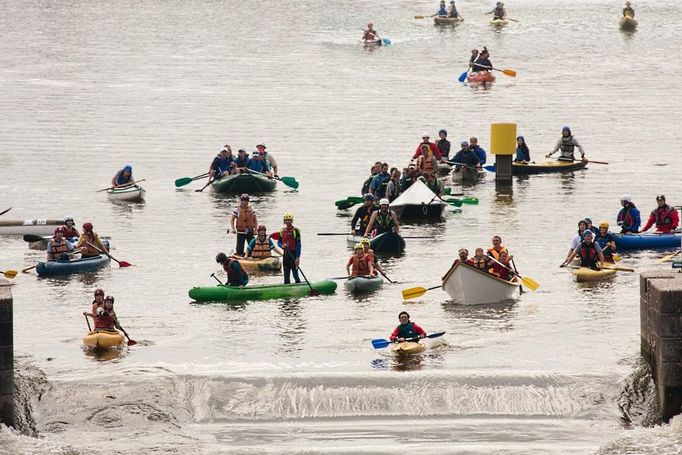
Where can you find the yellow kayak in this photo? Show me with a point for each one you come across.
(584, 274)
(103, 339)
(407, 348)
(498, 22)
(270, 264)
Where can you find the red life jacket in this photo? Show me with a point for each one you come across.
(105, 321)
(360, 266)
(232, 275)
(663, 215)
(70, 232)
(624, 216)
(289, 237)
(588, 255)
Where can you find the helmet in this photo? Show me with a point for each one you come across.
(358, 246)
(59, 230)
(626, 198)
(368, 197)
(464, 143)
(604, 224)
(221, 258)
(566, 128)
(68, 218)
(109, 298)
(128, 167)
(288, 216)
(384, 201)
(588, 233)
(261, 227)
(244, 197)
(588, 220)
(660, 197)
(582, 222)
(425, 135)
(364, 241)
(370, 25)
(87, 227)
(443, 132)
(99, 291)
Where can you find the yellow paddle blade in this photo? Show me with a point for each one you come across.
(530, 283)
(510, 73)
(413, 293)
(668, 257)
(617, 257)
(419, 17)
(608, 265)
(10, 273)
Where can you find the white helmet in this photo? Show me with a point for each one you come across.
(384, 201)
(626, 198)
(425, 135)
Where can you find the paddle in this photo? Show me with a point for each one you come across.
(130, 342)
(120, 263)
(422, 17)
(28, 269)
(490, 168)
(349, 202)
(217, 279)
(384, 275)
(187, 180)
(463, 77)
(33, 238)
(121, 186)
(529, 282)
(510, 19)
(204, 187)
(87, 321)
(517, 272)
(313, 292)
(9, 273)
(668, 257)
(597, 162)
(333, 233)
(466, 200)
(606, 265)
(413, 293)
(5, 211)
(380, 343)
(510, 73)
(288, 181)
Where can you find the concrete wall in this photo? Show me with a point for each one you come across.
(6, 355)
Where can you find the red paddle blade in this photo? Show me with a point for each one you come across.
(124, 264)
(131, 342)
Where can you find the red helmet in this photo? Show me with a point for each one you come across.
(99, 291)
(261, 227)
(87, 227)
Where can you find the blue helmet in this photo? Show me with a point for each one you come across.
(128, 167)
(566, 128)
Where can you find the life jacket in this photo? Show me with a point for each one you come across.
(425, 163)
(407, 331)
(442, 11)
(385, 221)
(261, 249)
(223, 164)
(120, 180)
(444, 148)
(499, 12)
(70, 232)
(567, 147)
(624, 216)
(663, 217)
(87, 250)
(289, 238)
(359, 266)
(241, 162)
(480, 264)
(57, 249)
(501, 271)
(588, 255)
(105, 321)
(245, 218)
(259, 165)
(235, 277)
(495, 254)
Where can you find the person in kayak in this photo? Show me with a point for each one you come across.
(236, 275)
(385, 219)
(366, 245)
(261, 246)
(98, 301)
(443, 145)
(628, 11)
(465, 156)
(409, 176)
(243, 222)
(498, 12)
(222, 164)
(105, 316)
(259, 164)
(482, 62)
(69, 228)
(427, 162)
(370, 34)
(241, 162)
(503, 269)
(473, 58)
(497, 249)
(665, 216)
(406, 330)
(290, 242)
(268, 157)
(378, 186)
(359, 264)
(58, 247)
(89, 243)
(606, 241)
(575, 241)
(124, 177)
(433, 183)
(374, 170)
(480, 152)
(431, 145)
(589, 252)
(393, 188)
(567, 144)
(442, 9)
(628, 217)
(363, 214)
(452, 9)
(522, 151)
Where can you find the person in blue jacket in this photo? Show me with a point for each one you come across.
(466, 156)
(241, 161)
(222, 164)
(473, 145)
(123, 177)
(259, 164)
(379, 183)
(442, 9)
(522, 151)
(606, 241)
(628, 217)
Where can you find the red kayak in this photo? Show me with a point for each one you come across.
(481, 77)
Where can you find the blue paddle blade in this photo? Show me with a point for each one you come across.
(385, 41)
(463, 77)
(490, 168)
(379, 343)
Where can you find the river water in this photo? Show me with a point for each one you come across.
(88, 86)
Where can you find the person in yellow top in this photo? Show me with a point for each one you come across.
(261, 246)
(243, 222)
(497, 249)
(89, 242)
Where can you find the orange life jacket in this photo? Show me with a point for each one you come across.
(496, 255)
(360, 266)
(245, 218)
(425, 163)
(57, 249)
(261, 250)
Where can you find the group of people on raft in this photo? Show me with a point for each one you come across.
(496, 260)
(225, 163)
(67, 241)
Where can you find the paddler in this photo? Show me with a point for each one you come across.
(452, 9)
(480, 152)
(577, 239)
(463, 257)
(105, 316)
(482, 62)
(366, 245)
(236, 275)
(480, 260)
(409, 176)
(124, 177)
(628, 11)
(98, 301)
(290, 242)
(378, 186)
(606, 241)
(259, 164)
(522, 151)
(370, 34)
(406, 330)
(567, 144)
(590, 253)
(374, 170)
(498, 12)
(433, 183)
(89, 236)
(473, 58)
(442, 9)
(385, 219)
(58, 247)
(430, 145)
(243, 222)
(261, 246)
(497, 248)
(426, 162)
(443, 144)
(69, 228)
(359, 264)
(223, 164)
(590, 226)
(665, 216)
(241, 162)
(363, 214)
(628, 217)
(503, 269)
(466, 156)
(268, 157)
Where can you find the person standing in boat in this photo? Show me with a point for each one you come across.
(241, 162)
(268, 157)
(261, 246)
(567, 144)
(452, 9)
(480, 152)
(522, 151)
(498, 12)
(378, 186)
(243, 222)
(406, 330)
(628, 11)
(290, 242)
(430, 145)
(482, 62)
(628, 217)
(442, 9)
(385, 219)
(393, 187)
(427, 162)
(359, 264)
(366, 245)
(58, 247)
(443, 145)
(665, 216)
(69, 228)
(124, 177)
(236, 275)
(370, 34)
(374, 170)
(89, 242)
(363, 214)
(606, 241)
(589, 252)
(223, 164)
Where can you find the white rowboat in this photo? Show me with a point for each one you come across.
(128, 194)
(470, 286)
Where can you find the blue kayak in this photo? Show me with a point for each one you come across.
(646, 241)
(59, 267)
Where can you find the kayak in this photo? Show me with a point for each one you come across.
(467, 174)
(361, 284)
(387, 242)
(481, 77)
(270, 264)
(441, 20)
(444, 168)
(498, 22)
(59, 267)
(547, 167)
(42, 244)
(628, 23)
(103, 339)
(244, 183)
(222, 293)
(647, 241)
(407, 348)
(33, 227)
(377, 42)
(585, 274)
(133, 193)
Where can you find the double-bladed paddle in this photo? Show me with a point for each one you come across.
(5, 211)
(9, 273)
(121, 186)
(463, 77)
(182, 181)
(379, 343)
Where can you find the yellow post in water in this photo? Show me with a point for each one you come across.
(503, 146)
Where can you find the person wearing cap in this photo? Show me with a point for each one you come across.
(665, 216)
(606, 241)
(567, 144)
(359, 264)
(363, 214)
(69, 228)
(406, 330)
(522, 151)
(88, 237)
(262, 245)
(628, 217)
(223, 164)
(378, 186)
(385, 219)
(575, 241)
(433, 183)
(243, 221)
(465, 156)
(58, 247)
(589, 252)
(374, 170)
(241, 162)
(393, 189)
(290, 242)
(590, 226)
(268, 157)
(431, 145)
(482, 62)
(124, 177)
(410, 174)
(443, 144)
(498, 12)
(370, 34)
(236, 275)
(452, 9)
(259, 164)
(628, 11)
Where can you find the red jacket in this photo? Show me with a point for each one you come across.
(500, 271)
(666, 219)
(434, 150)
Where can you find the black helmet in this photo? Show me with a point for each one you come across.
(221, 258)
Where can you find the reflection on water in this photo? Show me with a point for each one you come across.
(291, 325)
(105, 355)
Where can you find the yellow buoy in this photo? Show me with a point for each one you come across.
(503, 138)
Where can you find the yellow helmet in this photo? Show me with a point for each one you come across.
(364, 241)
(604, 224)
(358, 246)
(288, 216)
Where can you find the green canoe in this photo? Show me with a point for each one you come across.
(223, 293)
(244, 183)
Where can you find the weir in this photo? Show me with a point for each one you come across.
(6, 355)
